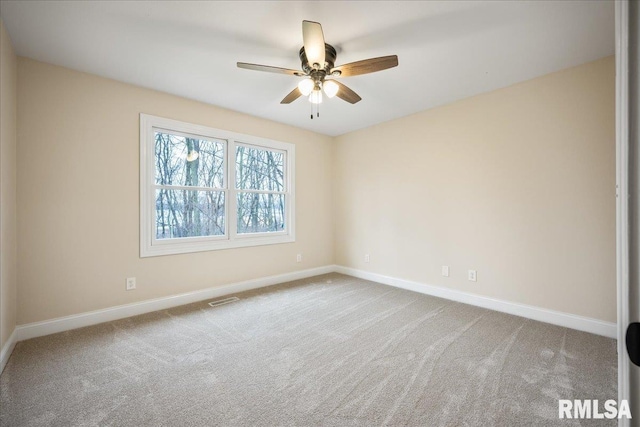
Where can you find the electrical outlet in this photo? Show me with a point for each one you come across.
(131, 283)
(367, 258)
(473, 275)
(445, 270)
(299, 258)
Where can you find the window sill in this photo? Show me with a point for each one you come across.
(150, 250)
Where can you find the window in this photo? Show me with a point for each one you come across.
(205, 189)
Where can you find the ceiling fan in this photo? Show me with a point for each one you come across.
(318, 59)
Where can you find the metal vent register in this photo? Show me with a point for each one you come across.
(223, 301)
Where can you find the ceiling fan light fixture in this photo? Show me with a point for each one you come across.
(330, 88)
(316, 97)
(306, 86)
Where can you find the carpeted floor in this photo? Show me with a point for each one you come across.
(327, 351)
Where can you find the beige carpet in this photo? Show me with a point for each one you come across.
(327, 351)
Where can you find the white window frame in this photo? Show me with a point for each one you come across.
(150, 246)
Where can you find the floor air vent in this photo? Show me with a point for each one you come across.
(223, 301)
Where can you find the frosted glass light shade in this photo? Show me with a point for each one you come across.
(330, 88)
(305, 86)
(316, 97)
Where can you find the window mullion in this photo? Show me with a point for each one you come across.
(232, 201)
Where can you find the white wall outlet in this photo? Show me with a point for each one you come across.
(367, 258)
(131, 283)
(445, 270)
(473, 275)
(299, 258)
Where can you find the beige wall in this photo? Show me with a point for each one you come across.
(8, 259)
(518, 184)
(78, 169)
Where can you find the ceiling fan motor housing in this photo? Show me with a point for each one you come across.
(321, 72)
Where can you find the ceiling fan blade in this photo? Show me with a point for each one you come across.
(366, 66)
(292, 96)
(347, 94)
(269, 69)
(313, 41)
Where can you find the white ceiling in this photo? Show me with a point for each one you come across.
(447, 50)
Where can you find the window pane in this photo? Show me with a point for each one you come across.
(188, 161)
(189, 213)
(260, 213)
(258, 169)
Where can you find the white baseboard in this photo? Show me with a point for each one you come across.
(37, 329)
(567, 320)
(47, 327)
(7, 349)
